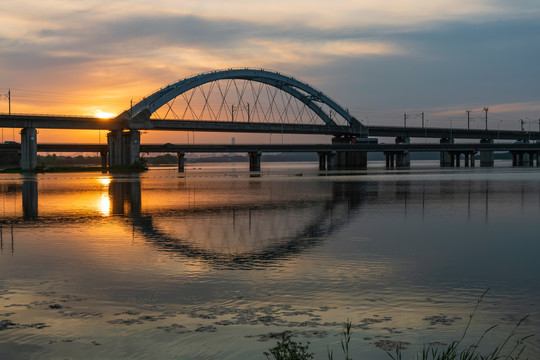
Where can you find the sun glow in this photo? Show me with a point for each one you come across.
(104, 115)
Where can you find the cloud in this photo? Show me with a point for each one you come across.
(395, 54)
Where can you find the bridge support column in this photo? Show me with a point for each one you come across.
(132, 141)
(350, 160)
(114, 142)
(28, 149)
(254, 161)
(331, 160)
(124, 147)
(486, 156)
(181, 161)
(403, 158)
(520, 159)
(447, 160)
(322, 160)
(466, 159)
(389, 158)
(526, 159)
(353, 160)
(103, 161)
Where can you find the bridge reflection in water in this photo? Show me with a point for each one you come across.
(275, 220)
(225, 232)
(244, 235)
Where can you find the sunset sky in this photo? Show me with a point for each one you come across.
(378, 59)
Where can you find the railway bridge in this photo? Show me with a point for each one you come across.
(260, 101)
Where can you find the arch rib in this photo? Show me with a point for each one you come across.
(300, 90)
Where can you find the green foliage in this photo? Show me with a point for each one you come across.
(162, 159)
(54, 160)
(286, 349)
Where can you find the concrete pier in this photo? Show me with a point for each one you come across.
(447, 159)
(124, 147)
(346, 160)
(322, 160)
(487, 158)
(331, 160)
(403, 158)
(181, 161)
(104, 156)
(28, 149)
(525, 158)
(254, 161)
(351, 160)
(389, 156)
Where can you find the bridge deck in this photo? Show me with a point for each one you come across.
(211, 148)
(93, 123)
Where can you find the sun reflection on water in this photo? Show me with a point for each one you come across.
(104, 202)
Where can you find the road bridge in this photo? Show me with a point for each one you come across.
(524, 153)
(256, 101)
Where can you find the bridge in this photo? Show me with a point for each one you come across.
(261, 101)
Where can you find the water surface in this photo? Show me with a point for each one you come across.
(213, 263)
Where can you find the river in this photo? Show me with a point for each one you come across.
(215, 263)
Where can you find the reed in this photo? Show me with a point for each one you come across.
(511, 348)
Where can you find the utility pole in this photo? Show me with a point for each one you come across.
(248, 111)
(468, 119)
(232, 112)
(422, 119)
(486, 110)
(405, 119)
(9, 102)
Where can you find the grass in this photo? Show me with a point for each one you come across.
(510, 349)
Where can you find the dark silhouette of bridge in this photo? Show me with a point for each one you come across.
(261, 101)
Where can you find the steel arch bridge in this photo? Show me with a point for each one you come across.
(265, 101)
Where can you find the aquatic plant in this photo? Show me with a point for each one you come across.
(287, 349)
(345, 340)
(456, 350)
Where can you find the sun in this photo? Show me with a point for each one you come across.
(103, 115)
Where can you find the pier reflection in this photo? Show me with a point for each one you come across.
(30, 197)
(245, 223)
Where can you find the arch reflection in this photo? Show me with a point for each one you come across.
(243, 236)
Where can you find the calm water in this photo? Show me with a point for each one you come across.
(212, 264)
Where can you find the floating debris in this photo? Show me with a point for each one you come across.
(175, 328)
(207, 328)
(390, 345)
(441, 319)
(6, 324)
